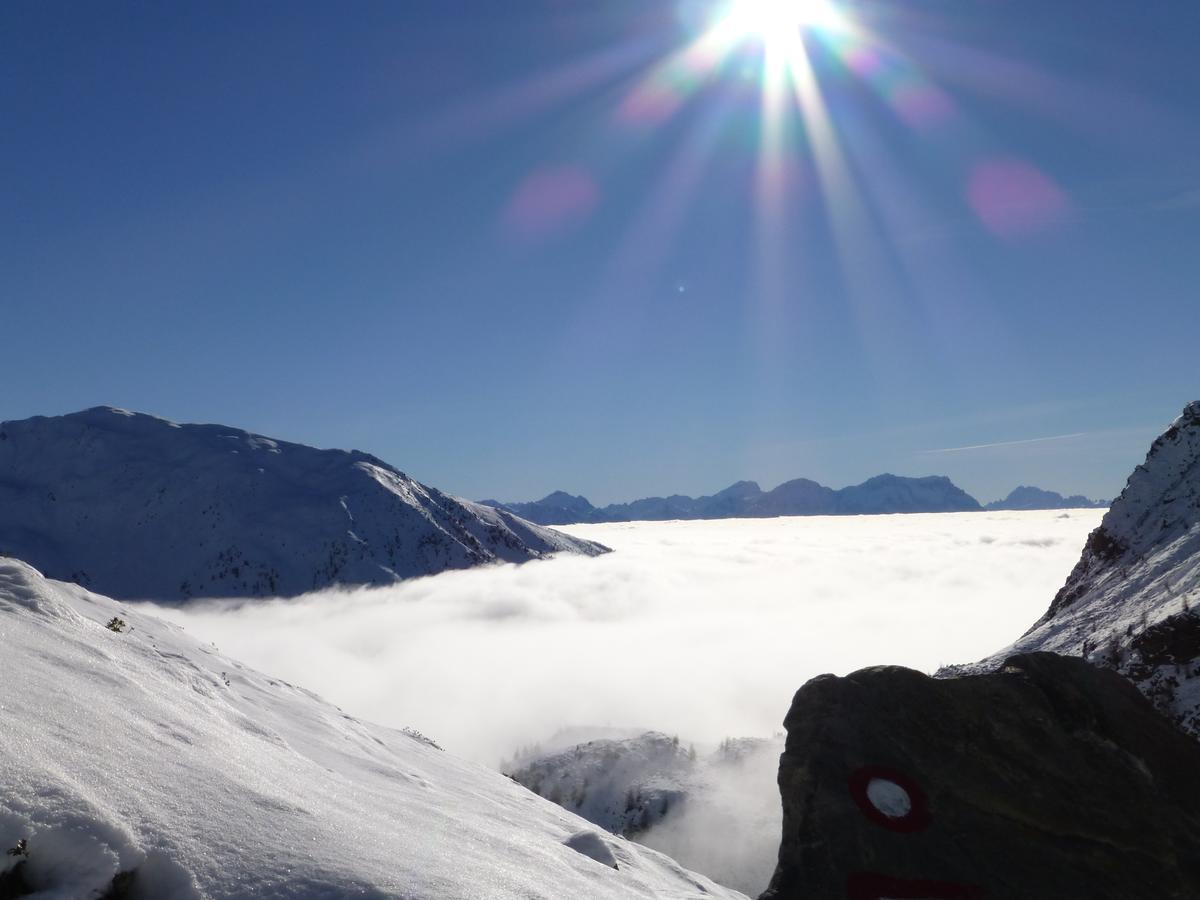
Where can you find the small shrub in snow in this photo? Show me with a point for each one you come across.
(417, 736)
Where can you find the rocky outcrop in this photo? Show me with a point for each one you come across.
(142, 508)
(1132, 601)
(1048, 779)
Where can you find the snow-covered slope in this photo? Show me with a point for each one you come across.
(1132, 600)
(134, 749)
(139, 507)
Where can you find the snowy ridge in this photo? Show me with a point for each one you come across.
(1132, 601)
(133, 755)
(138, 507)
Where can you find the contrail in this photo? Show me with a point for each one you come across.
(1057, 437)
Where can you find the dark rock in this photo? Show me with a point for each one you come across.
(13, 883)
(1046, 780)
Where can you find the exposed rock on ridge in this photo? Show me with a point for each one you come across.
(139, 507)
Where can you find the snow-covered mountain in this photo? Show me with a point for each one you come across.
(716, 810)
(135, 760)
(1027, 497)
(1133, 600)
(745, 499)
(139, 507)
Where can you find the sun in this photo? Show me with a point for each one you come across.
(779, 21)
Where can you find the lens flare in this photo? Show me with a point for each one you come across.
(773, 20)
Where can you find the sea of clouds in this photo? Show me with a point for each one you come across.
(700, 629)
(704, 629)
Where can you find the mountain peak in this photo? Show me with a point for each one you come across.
(740, 489)
(1131, 601)
(1160, 505)
(140, 507)
(562, 498)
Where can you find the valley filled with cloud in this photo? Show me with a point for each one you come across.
(703, 629)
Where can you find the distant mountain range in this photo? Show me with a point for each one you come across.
(800, 497)
(1025, 497)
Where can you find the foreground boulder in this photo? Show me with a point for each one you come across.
(1049, 778)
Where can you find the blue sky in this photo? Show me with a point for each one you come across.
(513, 247)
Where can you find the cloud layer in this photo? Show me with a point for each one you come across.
(704, 629)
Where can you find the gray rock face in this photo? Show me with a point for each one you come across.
(1049, 779)
(141, 508)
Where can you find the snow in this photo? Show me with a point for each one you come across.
(139, 507)
(145, 751)
(1139, 574)
(593, 846)
(1153, 571)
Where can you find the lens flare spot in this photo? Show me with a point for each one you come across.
(921, 105)
(1013, 198)
(551, 200)
(650, 104)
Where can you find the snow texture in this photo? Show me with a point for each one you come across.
(593, 846)
(1131, 601)
(138, 507)
(128, 747)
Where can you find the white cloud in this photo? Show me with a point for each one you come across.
(704, 629)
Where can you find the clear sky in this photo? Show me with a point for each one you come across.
(619, 247)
